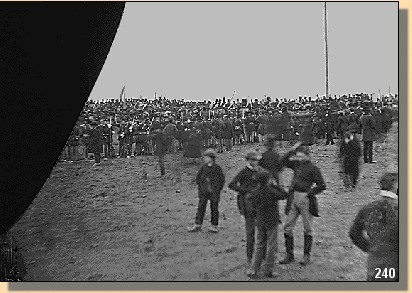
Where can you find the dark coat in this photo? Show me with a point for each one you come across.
(267, 208)
(194, 146)
(350, 153)
(218, 129)
(379, 220)
(210, 181)
(368, 125)
(244, 183)
(162, 144)
(95, 141)
(227, 130)
(271, 161)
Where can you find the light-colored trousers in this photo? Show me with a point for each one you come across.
(300, 206)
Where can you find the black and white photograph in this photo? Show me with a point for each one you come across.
(216, 141)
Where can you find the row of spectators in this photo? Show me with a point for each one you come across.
(128, 127)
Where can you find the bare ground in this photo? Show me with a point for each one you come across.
(107, 223)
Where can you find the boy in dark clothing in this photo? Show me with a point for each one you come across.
(265, 200)
(244, 183)
(210, 180)
(302, 200)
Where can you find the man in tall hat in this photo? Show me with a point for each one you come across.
(368, 128)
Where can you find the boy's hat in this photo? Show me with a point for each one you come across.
(210, 153)
(253, 155)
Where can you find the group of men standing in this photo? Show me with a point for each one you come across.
(258, 190)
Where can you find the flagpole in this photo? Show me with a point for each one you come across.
(326, 54)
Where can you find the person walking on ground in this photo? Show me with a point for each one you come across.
(368, 127)
(265, 198)
(301, 200)
(210, 180)
(350, 152)
(379, 221)
(243, 183)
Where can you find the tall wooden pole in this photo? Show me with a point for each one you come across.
(326, 54)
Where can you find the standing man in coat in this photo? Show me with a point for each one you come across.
(162, 145)
(379, 221)
(350, 152)
(228, 133)
(368, 127)
(210, 180)
(244, 182)
(95, 142)
(302, 200)
(271, 160)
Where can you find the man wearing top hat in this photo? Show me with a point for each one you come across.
(368, 128)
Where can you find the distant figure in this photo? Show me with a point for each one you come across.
(95, 143)
(350, 152)
(194, 145)
(368, 126)
(172, 132)
(210, 180)
(379, 220)
(162, 145)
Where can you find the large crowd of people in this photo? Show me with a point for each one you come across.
(162, 126)
(128, 127)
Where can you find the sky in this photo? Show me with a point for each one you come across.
(199, 51)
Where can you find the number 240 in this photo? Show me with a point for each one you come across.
(385, 273)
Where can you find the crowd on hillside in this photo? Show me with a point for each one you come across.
(128, 127)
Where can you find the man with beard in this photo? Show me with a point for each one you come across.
(244, 182)
(301, 200)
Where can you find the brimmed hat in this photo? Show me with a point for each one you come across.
(210, 153)
(253, 155)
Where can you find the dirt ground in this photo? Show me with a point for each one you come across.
(107, 223)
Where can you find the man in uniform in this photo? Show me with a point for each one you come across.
(302, 200)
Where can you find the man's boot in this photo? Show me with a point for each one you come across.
(306, 250)
(289, 250)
